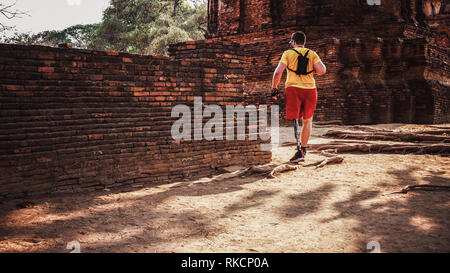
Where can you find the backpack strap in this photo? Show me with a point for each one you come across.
(297, 51)
(298, 54)
(305, 57)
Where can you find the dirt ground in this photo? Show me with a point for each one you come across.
(337, 208)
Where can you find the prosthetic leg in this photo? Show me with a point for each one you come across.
(298, 157)
(297, 134)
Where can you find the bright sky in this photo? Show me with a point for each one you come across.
(55, 14)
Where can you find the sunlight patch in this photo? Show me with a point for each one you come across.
(423, 223)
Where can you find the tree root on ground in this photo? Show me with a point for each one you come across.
(270, 171)
(366, 147)
(384, 148)
(280, 169)
(439, 131)
(388, 136)
(330, 160)
(423, 188)
(330, 122)
(436, 132)
(370, 129)
(440, 127)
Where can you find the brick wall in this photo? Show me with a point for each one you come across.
(385, 63)
(74, 120)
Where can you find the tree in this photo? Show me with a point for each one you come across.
(149, 26)
(134, 26)
(20, 39)
(7, 11)
(80, 36)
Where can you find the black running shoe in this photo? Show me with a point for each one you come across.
(298, 157)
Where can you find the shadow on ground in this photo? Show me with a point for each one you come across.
(415, 222)
(92, 215)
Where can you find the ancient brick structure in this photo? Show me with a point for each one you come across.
(387, 60)
(73, 120)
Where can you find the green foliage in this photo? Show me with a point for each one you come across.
(149, 26)
(165, 36)
(19, 39)
(79, 35)
(135, 26)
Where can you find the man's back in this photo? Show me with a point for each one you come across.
(290, 58)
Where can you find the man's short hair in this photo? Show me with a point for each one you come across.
(299, 37)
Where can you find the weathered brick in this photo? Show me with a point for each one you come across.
(127, 60)
(96, 77)
(46, 69)
(44, 159)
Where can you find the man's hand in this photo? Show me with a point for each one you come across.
(276, 80)
(275, 93)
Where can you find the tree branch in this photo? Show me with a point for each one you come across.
(7, 11)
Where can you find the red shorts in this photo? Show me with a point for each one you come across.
(300, 103)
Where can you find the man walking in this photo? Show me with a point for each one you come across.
(301, 91)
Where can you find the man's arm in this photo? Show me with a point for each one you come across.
(320, 68)
(277, 74)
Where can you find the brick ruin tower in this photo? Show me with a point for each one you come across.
(387, 60)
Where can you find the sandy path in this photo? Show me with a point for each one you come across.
(338, 208)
